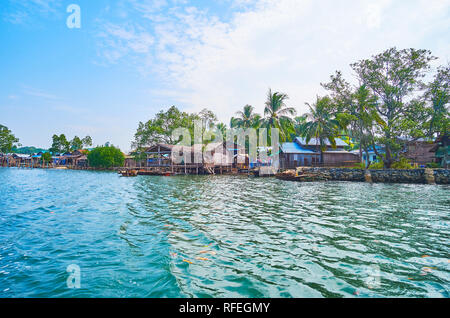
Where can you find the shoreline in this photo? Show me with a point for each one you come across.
(408, 176)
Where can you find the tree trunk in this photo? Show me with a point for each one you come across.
(388, 160)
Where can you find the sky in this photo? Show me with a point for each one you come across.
(132, 58)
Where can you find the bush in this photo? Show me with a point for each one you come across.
(403, 163)
(46, 157)
(433, 165)
(106, 157)
(377, 165)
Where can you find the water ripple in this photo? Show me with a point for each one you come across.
(219, 236)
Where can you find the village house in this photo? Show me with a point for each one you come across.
(420, 152)
(301, 153)
(371, 156)
(211, 158)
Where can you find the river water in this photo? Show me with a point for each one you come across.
(219, 236)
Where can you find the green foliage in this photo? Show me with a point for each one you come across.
(321, 124)
(438, 95)
(86, 142)
(403, 163)
(106, 157)
(377, 165)
(393, 77)
(160, 128)
(46, 157)
(361, 165)
(246, 118)
(60, 144)
(7, 139)
(433, 165)
(222, 128)
(389, 104)
(278, 115)
(76, 143)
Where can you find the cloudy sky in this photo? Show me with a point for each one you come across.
(132, 58)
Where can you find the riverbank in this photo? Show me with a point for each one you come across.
(413, 176)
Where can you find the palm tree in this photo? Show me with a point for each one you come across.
(222, 128)
(278, 115)
(299, 121)
(321, 124)
(246, 118)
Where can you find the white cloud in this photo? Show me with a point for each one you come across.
(119, 41)
(35, 92)
(22, 12)
(288, 45)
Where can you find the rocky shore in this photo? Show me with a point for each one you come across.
(419, 176)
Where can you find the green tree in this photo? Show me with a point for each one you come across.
(246, 118)
(208, 119)
(437, 94)
(222, 128)
(60, 144)
(354, 108)
(321, 124)
(76, 143)
(46, 157)
(160, 128)
(278, 115)
(106, 157)
(299, 121)
(7, 139)
(86, 142)
(393, 77)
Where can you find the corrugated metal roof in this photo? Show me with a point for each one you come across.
(293, 147)
(315, 141)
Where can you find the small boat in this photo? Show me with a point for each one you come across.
(129, 173)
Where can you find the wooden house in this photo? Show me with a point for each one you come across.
(210, 158)
(419, 152)
(303, 153)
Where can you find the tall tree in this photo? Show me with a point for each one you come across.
(60, 144)
(355, 110)
(437, 94)
(7, 139)
(393, 76)
(76, 143)
(87, 141)
(159, 129)
(278, 115)
(321, 124)
(246, 118)
(222, 128)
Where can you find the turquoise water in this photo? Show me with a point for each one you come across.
(243, 237)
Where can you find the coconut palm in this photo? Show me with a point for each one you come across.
(222, 128)
(321, 124)
(278, 115)
(246, 118)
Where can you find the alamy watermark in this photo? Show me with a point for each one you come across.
(74, 19)
(74, 279)
(373, 279)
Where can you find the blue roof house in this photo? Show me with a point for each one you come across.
(301, 153)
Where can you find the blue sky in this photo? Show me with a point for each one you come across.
(132, 58)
